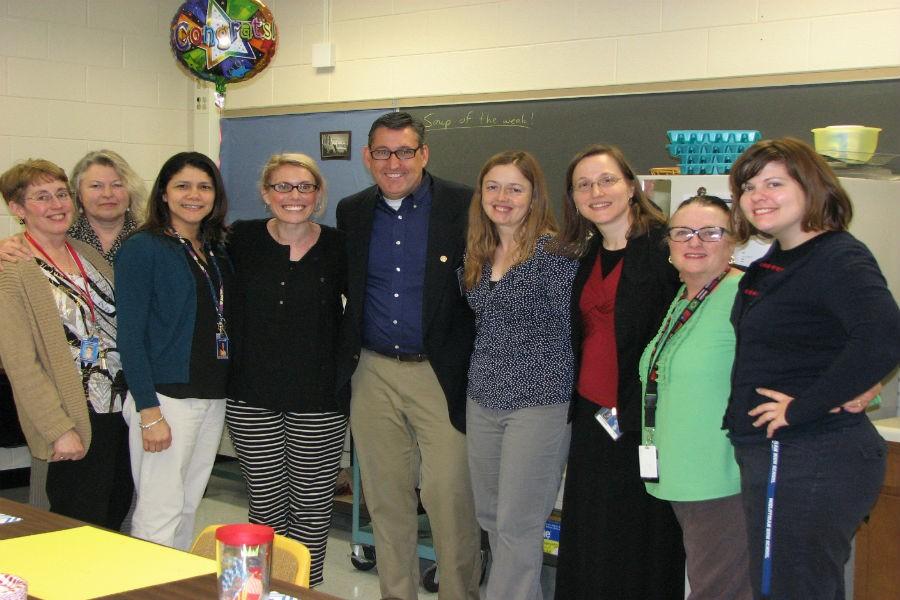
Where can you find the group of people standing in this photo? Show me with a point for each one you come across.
(480, 349)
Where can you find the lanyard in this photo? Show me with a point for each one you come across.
(218, 299)
(83, 292)
(650, 397)
(766, 584)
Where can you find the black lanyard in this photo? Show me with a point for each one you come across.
(651, 399)
(218, 299)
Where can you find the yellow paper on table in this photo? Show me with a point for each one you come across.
(86, 562)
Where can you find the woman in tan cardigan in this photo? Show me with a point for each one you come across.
(59, 351)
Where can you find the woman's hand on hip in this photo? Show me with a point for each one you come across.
(771, 414)
(861, 402)
(158, 436)
(68, 446)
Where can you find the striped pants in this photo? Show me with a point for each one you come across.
(290, 463)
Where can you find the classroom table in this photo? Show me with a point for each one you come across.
(36, 521)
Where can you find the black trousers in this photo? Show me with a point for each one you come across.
(826, 483)
(98, 488)
(617, 542)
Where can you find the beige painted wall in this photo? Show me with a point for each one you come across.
(79, 75)
(406, 48)
(84, 74)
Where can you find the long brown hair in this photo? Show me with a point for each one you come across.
(573, 239)
(482, 238)
(828, 206)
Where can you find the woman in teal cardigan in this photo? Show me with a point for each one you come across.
(686, 375)
(173, 287)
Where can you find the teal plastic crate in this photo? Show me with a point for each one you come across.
(708, 151)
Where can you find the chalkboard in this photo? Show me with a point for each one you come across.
(462, 137)
(248, 142)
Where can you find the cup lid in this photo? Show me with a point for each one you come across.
(245, 534)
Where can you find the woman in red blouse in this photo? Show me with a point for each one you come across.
(616, 541)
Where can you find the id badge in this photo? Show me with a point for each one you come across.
(221, 346)
(649, 463)
(610, 421)
(89, 353)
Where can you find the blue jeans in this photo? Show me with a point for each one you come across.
(827, 482)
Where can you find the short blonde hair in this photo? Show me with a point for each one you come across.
(297, 159)
(137, 192)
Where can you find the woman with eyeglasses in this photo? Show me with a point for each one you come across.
(174, 289)
(520, 374)
(686, 375)
(816, 328)
(58, 347)
(616, 540)
(108, 196)
(286, 419)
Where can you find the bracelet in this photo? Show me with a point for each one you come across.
(149, 425)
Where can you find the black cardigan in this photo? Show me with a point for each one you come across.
(646, 289)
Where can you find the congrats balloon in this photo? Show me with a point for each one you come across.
(224, 41)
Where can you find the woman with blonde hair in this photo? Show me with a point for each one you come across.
(285, 417)
(109, 197)
(520, 374)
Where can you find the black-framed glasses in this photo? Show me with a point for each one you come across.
(706, 234)
(283, 187)
(400, 153)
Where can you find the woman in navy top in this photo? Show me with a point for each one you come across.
(816, 328)
(520, 375)
(173, 286)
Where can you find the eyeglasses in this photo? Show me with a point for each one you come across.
(400, 153)
(46, 197)
(283, 187)
(585, 186)
(706, 234)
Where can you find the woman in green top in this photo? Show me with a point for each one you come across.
(687, 458)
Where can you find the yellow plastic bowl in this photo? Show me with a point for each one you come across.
(849, 143)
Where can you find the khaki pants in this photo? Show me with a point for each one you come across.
(397, 406)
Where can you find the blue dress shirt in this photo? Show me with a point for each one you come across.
(392, 314)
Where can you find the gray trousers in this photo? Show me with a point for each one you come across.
(516, 458)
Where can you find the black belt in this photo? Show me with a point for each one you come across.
(403, 357)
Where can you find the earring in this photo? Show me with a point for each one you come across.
(670, 260)
(20, 220)
(731, 260)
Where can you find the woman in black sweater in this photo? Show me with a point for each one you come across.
(816, 328)
(286, 420)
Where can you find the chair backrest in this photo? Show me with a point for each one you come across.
(290, 558)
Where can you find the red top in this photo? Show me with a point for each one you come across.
(598, 377)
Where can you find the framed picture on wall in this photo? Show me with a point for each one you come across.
(334, 145)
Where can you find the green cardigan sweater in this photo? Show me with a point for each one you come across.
(46, 386)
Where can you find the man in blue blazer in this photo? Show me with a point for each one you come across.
(406, 339)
